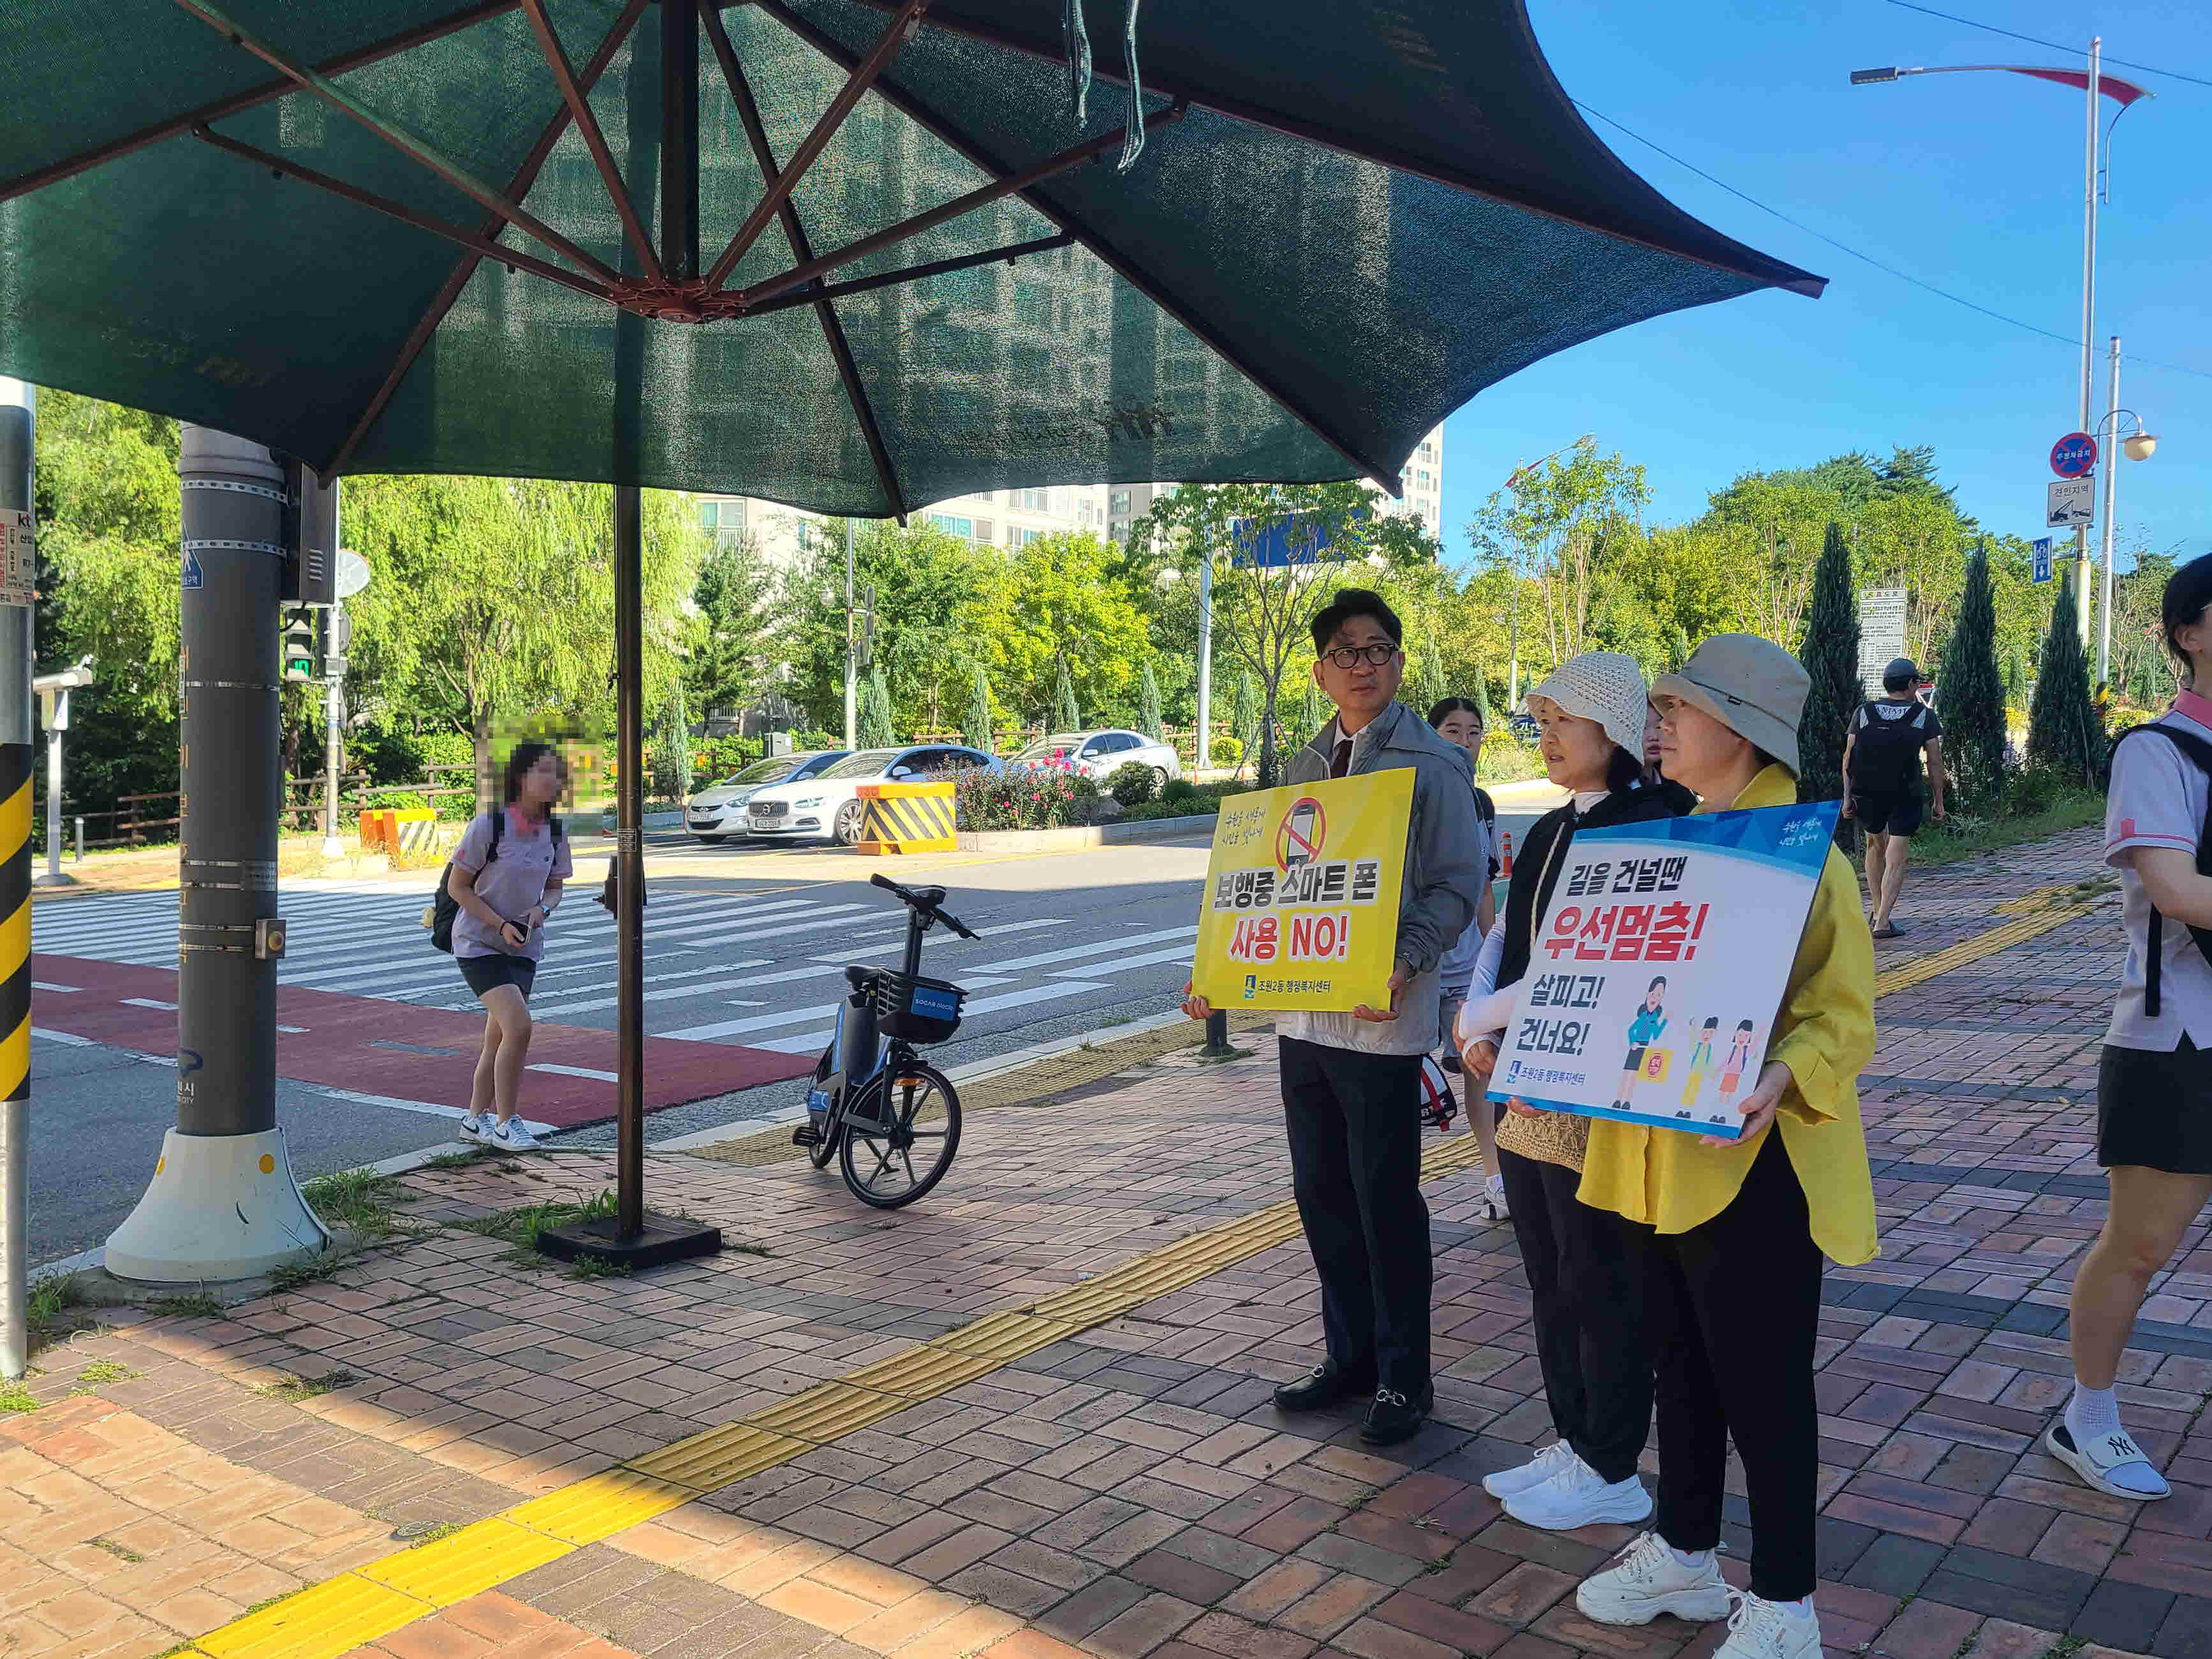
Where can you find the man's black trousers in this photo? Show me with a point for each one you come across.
(1355, 1134)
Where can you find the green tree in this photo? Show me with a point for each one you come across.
(1558, 526)
(1148, 702)
(1065, 716)
(2063, 730)
(876, 729)
(978, 731)
(1245, 715)
(1831, 655)
(1063, 602)
(671, 747)
(1973, 692)
(727, 658)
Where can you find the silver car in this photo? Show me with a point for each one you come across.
(1099, 755)
(719, 811)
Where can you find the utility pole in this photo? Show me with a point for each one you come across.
(2089, 316)
(334, 645)
(852, 670)
(18, 424)
(1203, 743)
(222, 1203)
(2110, 459)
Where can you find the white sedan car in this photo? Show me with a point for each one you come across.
(714, 813)
(1099, 755)
(828, 805)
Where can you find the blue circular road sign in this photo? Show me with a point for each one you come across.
(2074, 456)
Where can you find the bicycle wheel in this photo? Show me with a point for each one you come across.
(900, 1139)
(823, 1150)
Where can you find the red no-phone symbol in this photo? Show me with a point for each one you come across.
(1304, 828)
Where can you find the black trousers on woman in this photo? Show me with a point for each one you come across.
(1585, 1270)
(1732, 1310)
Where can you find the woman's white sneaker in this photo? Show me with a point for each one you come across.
(1770, 1630)
(511, 1136)
(473, 1128)
(1647, 1580)
(1493, 1198)
(1578, 1496)
(1534, 1473)
(2109, 1462)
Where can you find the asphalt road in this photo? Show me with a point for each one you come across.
(745, 947)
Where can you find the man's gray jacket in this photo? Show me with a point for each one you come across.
(1443, 877)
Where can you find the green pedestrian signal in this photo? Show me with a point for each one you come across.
(299, 646)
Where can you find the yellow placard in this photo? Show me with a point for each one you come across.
(1302, 894)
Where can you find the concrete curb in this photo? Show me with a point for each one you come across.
(1077, 835)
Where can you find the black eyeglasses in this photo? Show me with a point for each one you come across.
(1349, 656)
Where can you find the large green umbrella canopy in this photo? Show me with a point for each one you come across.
(410, 235)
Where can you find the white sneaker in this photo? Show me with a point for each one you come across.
(1534, 1473)
(1648, 1581)
(473, 1128)
(1770, 1630)
(1493, 1198)
(1578, 1496)
(511, 1136)
(2109, 1462)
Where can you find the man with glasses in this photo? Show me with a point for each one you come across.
(1352, 1081)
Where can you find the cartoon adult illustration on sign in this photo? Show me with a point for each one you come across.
(1644, 1031)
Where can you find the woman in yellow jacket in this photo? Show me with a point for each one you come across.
(1737, 1230)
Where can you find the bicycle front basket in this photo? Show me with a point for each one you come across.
(917, 1009)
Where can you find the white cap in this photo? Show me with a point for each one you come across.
(1603, 686)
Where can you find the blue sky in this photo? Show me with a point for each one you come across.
(1971, 182)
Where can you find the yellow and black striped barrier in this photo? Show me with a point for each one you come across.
(905, 817)
(16, 762)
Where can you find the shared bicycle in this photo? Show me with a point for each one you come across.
(891, 1121)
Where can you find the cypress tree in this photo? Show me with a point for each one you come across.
(1148, 704)
(1064, 714)
(976, 729)
(2062, 731)
(1830, 656)
(1973, 689)
(1482, 700)
(875, 712)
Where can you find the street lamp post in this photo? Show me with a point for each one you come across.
(2096, 181)
(2138, 446)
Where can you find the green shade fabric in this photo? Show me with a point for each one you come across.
(1361, 219)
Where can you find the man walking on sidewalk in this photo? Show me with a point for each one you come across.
(1881, 781)
(1352, 1081)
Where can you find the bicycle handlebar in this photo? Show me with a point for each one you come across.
(914, 902)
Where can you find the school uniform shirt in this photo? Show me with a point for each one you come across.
(529, 856)
(1670, 1179)
(2157, 799)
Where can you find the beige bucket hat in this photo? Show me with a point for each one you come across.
(1750, 685)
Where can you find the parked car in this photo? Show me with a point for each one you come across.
(829, 803)
(1099, 755)
(720, 810)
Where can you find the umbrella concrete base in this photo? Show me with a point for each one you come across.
(219, 1207)
(661, 1239)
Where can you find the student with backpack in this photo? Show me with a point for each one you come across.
(504, 882)
(1459, 720)
(2154, 1080)
(1881, 781)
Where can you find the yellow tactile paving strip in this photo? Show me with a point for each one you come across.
(326, 1619)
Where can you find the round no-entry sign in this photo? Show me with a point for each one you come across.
(2074, 456)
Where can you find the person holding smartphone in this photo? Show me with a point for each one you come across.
(507, 876)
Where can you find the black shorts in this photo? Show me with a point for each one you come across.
(1887, 811)
(2154, 1110)
(1635, 1061)
(482, 973)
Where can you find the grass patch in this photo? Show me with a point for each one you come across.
(15, 1398)
(121, 1553)
(598, 1267)
(102, 1372)
(294, 1390)
(188, 1304)
(362, 1201)
(1967, 835)
(520, 1226)
(465, 1158)
(296, 1275)
(744, 1248)
(416, 1533)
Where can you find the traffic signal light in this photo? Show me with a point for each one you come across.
(299, 657)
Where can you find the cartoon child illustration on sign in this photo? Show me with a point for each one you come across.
(1642, 1031)
(1701, 1061)
(1739, 1056)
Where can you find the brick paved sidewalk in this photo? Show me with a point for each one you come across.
(1125, 1489)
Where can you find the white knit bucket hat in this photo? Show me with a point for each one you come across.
(1603, 686)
